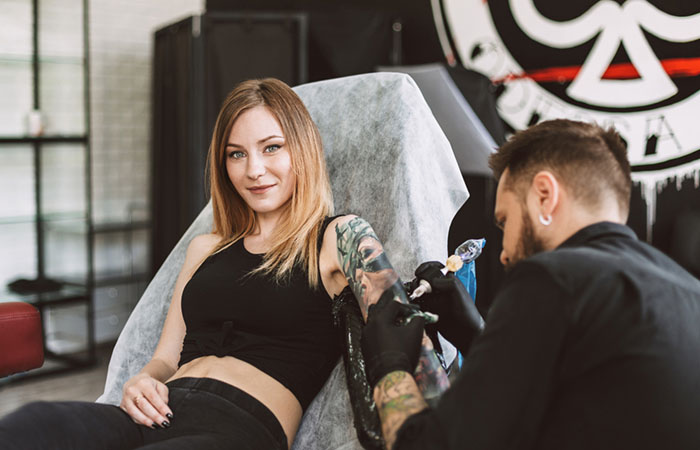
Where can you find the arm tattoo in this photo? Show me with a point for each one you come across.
(397, 398)
(365, 264)
(371, 275)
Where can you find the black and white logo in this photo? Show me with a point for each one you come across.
(631, 63)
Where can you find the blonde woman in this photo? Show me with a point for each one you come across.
(248, 340)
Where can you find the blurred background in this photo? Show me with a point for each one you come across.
(107, 108)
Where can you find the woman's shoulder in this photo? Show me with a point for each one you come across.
(336, 223)
(203, 244)
(339, 219)
(331, 222)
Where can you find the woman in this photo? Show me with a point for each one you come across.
(248, 340)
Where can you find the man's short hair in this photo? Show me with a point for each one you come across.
(589, 160)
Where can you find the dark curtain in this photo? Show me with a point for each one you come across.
(172, 182)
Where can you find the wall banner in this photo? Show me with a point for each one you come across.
(634, 64)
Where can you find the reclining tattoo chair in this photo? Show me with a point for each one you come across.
(390, 163)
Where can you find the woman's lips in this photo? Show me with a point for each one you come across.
(260, 189)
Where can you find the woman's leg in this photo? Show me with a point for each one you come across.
(207, 414)
(214, 415)
(208, 441)
(69, 425)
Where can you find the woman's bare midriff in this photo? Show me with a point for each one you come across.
(268, 391)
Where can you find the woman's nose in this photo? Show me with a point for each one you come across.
(256, 167)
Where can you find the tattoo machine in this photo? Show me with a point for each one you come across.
(429, 317)
(461, 264)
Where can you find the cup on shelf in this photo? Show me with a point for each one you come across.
(35, 123)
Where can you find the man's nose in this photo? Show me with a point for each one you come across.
(504, 257)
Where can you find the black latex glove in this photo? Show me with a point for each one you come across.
(388, 342)
(460, 321)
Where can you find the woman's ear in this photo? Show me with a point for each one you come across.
(546, 190)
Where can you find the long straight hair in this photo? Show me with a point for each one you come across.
(296, 238)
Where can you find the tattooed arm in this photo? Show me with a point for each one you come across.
(370, 275)
(397, 398)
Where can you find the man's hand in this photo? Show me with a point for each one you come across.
(460, 321)
(391, 339)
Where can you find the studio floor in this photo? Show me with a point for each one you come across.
(84, 384)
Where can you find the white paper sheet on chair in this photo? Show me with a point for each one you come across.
(390, 163)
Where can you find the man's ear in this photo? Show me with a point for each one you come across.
(546, 190)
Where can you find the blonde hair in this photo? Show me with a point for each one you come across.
(296, 240)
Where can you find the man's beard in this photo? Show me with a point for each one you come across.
(528, 244)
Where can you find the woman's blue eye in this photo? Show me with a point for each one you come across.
(272, 148)
(237, 154)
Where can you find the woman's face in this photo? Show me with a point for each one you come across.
(258, 162)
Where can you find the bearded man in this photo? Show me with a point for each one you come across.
(593, 340)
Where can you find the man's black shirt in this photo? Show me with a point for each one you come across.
(594, 345)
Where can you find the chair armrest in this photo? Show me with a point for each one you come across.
(21, 345)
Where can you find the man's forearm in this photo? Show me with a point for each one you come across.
(397, 397)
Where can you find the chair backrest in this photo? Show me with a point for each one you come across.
(390, 163)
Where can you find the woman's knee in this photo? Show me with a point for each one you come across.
(52, 425)
(31, 416)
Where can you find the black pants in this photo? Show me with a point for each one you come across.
(207, 414)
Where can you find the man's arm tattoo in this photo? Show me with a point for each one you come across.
(371, 276)
(397, 397)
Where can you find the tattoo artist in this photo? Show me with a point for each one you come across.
(593, 340)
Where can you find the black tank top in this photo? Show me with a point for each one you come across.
(285, 330)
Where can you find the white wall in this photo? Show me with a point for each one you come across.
(121, 40)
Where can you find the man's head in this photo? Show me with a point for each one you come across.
(554, 179)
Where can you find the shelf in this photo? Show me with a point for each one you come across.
(67, 294)
(103, 228)
(53, 76)
(70, 139)
(46, 218)
(121, 227)
(115, 280)
(8, 58)
(53, 221)
(111, 279)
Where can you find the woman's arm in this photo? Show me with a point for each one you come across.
(145, 396)
(360, 261)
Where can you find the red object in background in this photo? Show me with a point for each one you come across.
(21, 346)
(675, 68)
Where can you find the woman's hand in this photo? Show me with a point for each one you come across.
(145, 399)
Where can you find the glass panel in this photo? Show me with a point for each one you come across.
(63, 180)
(62, 97)
(16, 27)
(16, 184)
(65, 249)
(113, 255)
(61, 73)
(61, 29)
(15, 66)
(18, 244)
(64, 211)
(66, 328)
(121, 254)
(15, 97)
